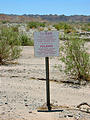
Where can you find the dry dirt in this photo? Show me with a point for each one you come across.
(23, 91)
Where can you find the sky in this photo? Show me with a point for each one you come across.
(43, 7)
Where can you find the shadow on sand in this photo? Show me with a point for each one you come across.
(49, 110)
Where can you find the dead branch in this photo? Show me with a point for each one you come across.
(84, 103)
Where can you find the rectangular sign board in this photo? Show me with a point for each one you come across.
(46, 43)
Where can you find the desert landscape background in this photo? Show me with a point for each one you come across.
(23, 80)
(23, 90)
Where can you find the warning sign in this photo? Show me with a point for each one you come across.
(46, 44)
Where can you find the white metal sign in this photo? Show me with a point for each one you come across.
(46, 43)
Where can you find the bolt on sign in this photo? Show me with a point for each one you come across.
(46, 43)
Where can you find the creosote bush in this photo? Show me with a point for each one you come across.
(25, 41)
(86, 27)
(35, 24)
(64, 26)
(9, 44)
(76, 59)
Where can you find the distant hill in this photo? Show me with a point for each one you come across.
(44, 18)
(59, 18)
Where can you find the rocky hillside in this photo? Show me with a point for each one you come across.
(44, 18)
(18, 18)
(58, 18)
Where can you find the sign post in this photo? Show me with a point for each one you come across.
(47, 83)
(46, 44)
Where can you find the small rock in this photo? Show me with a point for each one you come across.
(70, 115)
(26, 105)
(25, 100)
(30, 111)
(5, 96)
(65, 116)
(6, 103)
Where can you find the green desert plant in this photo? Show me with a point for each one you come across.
(4, 21)
(25, 41)
(35, 24)
(86, 27)
(76, 59)
(65, 26)
(9, 45)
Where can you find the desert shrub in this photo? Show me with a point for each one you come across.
(35, 24)
(15, 28)
(4, 21)
(62, 25)
(87, 39)
(25, 41)
(76, 59)
(9, 45)
(65, 26)
(86, 27)
(41, 24)
(11, 35)
(63, 36)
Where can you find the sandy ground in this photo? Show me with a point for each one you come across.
(23, 91)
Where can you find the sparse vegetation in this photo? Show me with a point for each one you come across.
(76, 59)
(35, 24)
(86, 27)
(25, 41)
(64, 26)
(9, 45)
(4, 21)
(22, 34)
